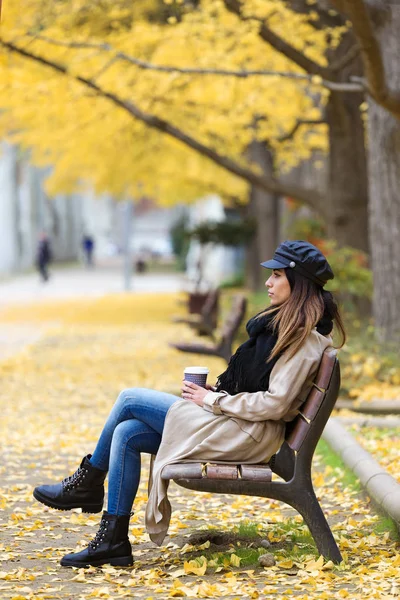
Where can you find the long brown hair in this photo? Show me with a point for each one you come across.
(295, 318)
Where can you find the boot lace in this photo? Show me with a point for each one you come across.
(74, 480)
(99, 537)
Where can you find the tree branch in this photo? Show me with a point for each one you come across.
(310, 197)
(377, 84)
(326, 16)
(345, 60)
(331, 85)
(289, 135)
(105, 67)
(310, 66)
(142, 64)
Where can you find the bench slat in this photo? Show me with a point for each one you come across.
(183, 471)
(216, 471)
(235, 317)
(221, 471)
(223, 347)
(298, 432)
(312, 404)
(325, 370)
(255, 472)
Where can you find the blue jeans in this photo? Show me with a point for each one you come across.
(134, 425)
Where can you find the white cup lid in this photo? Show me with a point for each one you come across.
(197, 370)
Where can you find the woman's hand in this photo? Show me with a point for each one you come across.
(193, 392)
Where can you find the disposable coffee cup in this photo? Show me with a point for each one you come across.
(196, 375)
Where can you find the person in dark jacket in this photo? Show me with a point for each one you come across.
(44, 256)
(88, 248)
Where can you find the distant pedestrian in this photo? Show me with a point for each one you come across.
(141, 263)
(43, 256)
(88, 248)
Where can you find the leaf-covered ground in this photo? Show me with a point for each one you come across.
(383, 444)
(55, 397)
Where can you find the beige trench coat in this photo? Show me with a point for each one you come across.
(244, 428)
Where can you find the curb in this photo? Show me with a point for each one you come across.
(374, 407)
(371, 421)
(383, 489)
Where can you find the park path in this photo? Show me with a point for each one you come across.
(15, 337)
(76, 281)
(69, 282)
(54, 399)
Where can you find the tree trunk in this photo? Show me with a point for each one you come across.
(345, 206)
(346, 209)
(263, 207)
(384, 177)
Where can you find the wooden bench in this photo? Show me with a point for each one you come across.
(223, 347)
(205, 321)
(292, 463)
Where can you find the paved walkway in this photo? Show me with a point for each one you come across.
(69, 282)
(14, 338)
(76, 281)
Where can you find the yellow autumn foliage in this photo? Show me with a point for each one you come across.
(197, 566)
(88, 138)
(370, 374)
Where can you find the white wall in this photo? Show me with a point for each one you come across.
(8, 210)
(151, 231)
(218, 262)
(98, 220)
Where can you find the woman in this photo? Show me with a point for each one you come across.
(242, 419)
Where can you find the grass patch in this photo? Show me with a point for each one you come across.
(289, 540)
(387, 525)
(248, 557)
(248, 529)
(331, 459)
(293, 540)
(296, 531)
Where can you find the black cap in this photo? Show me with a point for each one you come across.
(302, 257)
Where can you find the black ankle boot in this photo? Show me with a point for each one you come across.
(111, 545)
(84, 489)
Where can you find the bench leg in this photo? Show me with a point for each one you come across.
(312, 514)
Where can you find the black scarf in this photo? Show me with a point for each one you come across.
(248, 369)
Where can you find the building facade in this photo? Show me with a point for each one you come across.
(26, 211)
